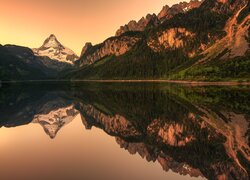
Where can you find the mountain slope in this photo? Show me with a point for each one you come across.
(22, 63)
(215, 31)
(59, 55)
(228, 57)
(19, 63)
(129, 35)
(112, 46)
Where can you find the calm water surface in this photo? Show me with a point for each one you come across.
(124, 131)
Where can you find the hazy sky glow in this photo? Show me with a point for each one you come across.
(74, 22)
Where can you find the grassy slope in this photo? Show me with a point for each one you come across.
(237, 69)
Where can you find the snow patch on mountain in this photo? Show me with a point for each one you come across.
(53, 49)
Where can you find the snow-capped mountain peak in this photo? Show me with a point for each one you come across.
(52, 41)
(53, 49)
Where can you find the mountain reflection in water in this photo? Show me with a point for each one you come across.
(201, 132)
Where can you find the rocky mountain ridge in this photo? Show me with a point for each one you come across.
(168, 37)
(154, 20)
(187, 45)
(126, 37)
(199, 40)
(46, 62)
(113, 46)
(54, 50)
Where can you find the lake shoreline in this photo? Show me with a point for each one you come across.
(186, 82)
(225, 83)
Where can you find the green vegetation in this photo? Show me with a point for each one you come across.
(237, 69)
(14, 68)
(139, 63)
(143, 63)
(201, 21)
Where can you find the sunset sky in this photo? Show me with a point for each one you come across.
(74, 22)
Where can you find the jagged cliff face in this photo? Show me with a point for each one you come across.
(173, 38)
(169, 12)
(153, 20)
(140, 25)
(225, 6)
(114, 46)
(169, 33)
(87, 47)
(235, 40)
(122, 43)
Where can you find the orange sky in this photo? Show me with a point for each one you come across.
(74, 22)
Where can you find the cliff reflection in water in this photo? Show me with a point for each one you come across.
(195, 131)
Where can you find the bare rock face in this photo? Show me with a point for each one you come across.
(164, 13)
(122, 42)
(86, 48)
(168, 12)
(223, 1)
(224, 6)
(140, 25)
(170, 39)
(113, 46)
(177, 37)
(235, 42)
(153, 20)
